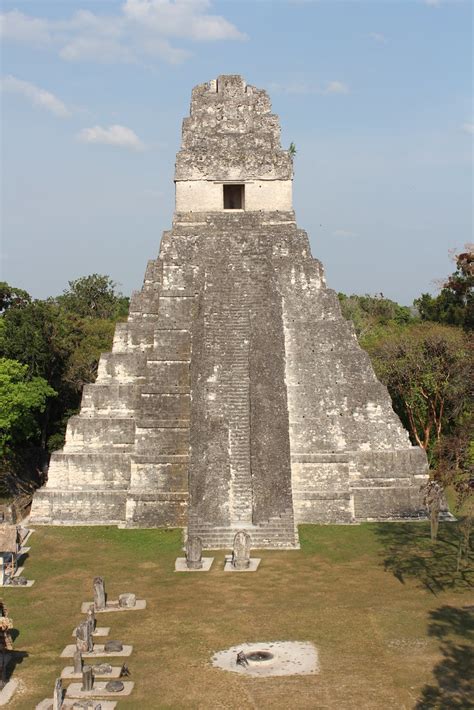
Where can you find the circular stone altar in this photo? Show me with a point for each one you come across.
(270, 658)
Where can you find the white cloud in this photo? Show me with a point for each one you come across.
(378, 37)
(344, 233)
(37, 96)
(432, 3)
(141, 28)
(468, 127)
(115, 135)
(336, 87)
(23, 28)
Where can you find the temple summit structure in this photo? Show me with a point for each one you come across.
(236, 396)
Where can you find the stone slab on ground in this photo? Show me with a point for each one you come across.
(67, 673)
(253, 566)
(6, 693)
(289, 658)
(98, 691)
(29, 583)
(98, 651)
(113, 606)
(99, 631)
(181, 566)
(47, 704)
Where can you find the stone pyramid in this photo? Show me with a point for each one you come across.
(235, 396)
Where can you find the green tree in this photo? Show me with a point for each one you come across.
(427, 369)
(22, 398)
(454, 305)
(12, 297)
(94, 296)
(370, 312)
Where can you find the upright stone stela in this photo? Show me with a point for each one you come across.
(236, 396)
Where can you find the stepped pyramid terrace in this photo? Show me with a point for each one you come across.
(236, 396)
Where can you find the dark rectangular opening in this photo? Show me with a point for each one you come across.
(234, 197)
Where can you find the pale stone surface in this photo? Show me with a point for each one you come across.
(99, 595)
(127, 600)
(253, 564)
(74, 690)
(114, 605)
(84, 637)
(275, 417)
(77, 663)
(181, 565)
(241, 550)
(194, 552)
(97, 652)
(87, 679)
(68, 673)
(68, 704)
(100, 631)
(58, 694)
(7, 692)
(289, 658)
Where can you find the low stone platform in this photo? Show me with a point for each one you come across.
(99, 631)
(6, 693)
(68, 704)
(181, 566)
(67, 673)
(98, 652)
(253, 566)
(113, 606)
(283, 658)
(99, 691)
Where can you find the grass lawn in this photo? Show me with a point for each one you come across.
(386, 609)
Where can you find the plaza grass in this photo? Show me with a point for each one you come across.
(390, 616)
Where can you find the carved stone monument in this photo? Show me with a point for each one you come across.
(274, 416)
(241, 550)
(58, 694)
(194, 552)
(100, 597)
(87, 678)
(78, 662)
(84, 642)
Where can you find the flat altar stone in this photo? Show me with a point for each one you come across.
(113, 606)
(98, 651)
(253, 565)
(98, 691)
(68, 704)
(68, 673)
(99, 631)
(181, 565)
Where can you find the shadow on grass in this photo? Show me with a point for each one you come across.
(409, 553)
(453, 686)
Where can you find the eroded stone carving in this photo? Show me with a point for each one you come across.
(241, 550)
(99, 593)
(84, 643)
(194, 552)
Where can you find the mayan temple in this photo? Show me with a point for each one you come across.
(236, 396)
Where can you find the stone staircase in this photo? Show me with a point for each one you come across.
(278, 533)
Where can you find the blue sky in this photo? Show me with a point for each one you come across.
(375, 95)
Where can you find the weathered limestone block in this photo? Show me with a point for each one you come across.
(241, 550)
(84, 642)
(194, 552)
(100, 598)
